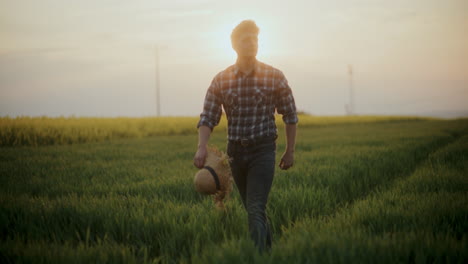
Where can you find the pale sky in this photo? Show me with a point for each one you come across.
(97, 58)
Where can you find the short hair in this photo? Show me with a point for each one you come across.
(244, 26)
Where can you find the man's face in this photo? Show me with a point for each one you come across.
(246, 45)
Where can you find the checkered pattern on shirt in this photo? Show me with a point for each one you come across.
(249, 101)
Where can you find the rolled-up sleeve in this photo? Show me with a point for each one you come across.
(211, 108)
(284, 100)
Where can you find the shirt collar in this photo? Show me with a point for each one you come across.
(236, 69)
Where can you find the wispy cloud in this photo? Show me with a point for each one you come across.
(185, 13)
(33, 51)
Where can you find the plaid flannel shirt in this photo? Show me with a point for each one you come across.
(249, 102)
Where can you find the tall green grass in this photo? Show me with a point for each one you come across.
(421, 217)
(376, 192)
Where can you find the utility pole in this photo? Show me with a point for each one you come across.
(350, 107)
(158, 97)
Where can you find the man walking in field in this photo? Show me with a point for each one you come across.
(250, 91)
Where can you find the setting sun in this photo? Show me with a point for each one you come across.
(222, 41)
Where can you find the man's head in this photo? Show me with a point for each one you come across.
(244, 38)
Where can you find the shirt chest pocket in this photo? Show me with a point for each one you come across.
(230, 100)
(261, 96)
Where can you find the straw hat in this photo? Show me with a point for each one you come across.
(215, 178)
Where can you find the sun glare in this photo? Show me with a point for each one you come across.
(222, 42)
(264, 43)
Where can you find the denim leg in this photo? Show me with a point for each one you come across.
(239, 173)
(253, 170)
(260, 174)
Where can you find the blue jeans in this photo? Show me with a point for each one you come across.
(253, 168)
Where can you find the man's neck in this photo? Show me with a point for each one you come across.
(246, 64)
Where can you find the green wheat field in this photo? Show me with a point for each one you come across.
(120, 190)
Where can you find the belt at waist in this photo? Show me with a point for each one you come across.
(246, 142)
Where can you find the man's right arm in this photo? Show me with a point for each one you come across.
(204, 133)
(209, 118)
